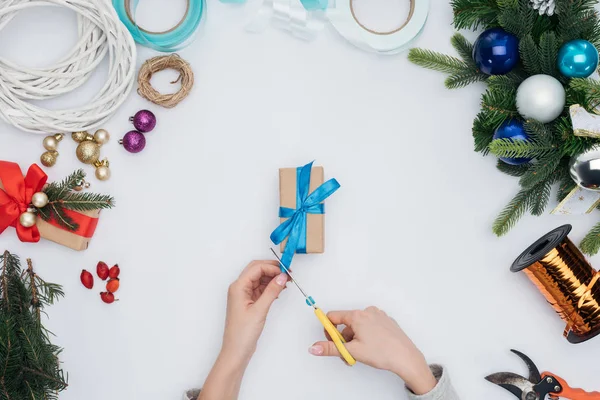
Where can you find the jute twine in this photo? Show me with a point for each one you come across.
(159, 63)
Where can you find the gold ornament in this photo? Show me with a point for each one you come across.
(51, 142)
(39, 199)
(27, 219)
(82, 185)
(102, 170)
(48, 159)
(88, 152)
(101, 136)
(81, 136)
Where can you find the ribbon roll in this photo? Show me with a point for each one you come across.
(343, 18)
(294, 227)
(176, 38)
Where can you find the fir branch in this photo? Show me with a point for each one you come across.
(587, 92)
(474, 14)
(541, 170)
(499, 103)
(437, 61)
(465, 78)
(540, 195)
(84, 201)
(56, 190)
(539, 132)
(512, 212)
(484, 126)
(464, 49)
(591, 242)
(512, 170)
(565, 183)
(63, 219)
(503, 83)
(529, 55)
(518, 148)
(518, 20)
(548, 54)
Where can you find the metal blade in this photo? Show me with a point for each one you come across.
(534, 373)
(514, 383)
(309, 299)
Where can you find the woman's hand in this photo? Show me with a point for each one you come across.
(377, 340)
(248, 303)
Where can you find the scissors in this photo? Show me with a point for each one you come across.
(335, 335)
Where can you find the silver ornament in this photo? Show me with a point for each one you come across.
(547, 7)
(39, 199)
(585, 169)
(27, 219)
(541, 97)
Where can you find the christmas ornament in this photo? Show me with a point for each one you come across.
(514, 130)
(48, 159)
(101, 136)
(39, 199)
(114, 271)
(81, 136)
(102, 170)
(496, 52)
(133, 141)
(51, 142)
(88, 152)
(82, 185)
(107, 297)
(577, 59)
(102, 270)
(584, 169)
(113, 285)
(27, 219)
(87, 279)
(541, 97)
(544, 6)
(143, 121)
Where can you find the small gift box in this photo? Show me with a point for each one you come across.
(52, 212)
(302, 191)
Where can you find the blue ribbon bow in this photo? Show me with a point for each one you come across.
(294, 227)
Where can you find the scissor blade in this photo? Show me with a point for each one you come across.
(309, 300)
(514, 383)
(534, 374)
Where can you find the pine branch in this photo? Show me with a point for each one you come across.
(518, 148)
(548, 54)
(540, 195)
(541, 170)
(565, 183)
(539, 133)
(587, 91)
(503, 83)
(499, 103)
(474, 14)
(464, 48)
(484, 126)
(590, 244)
(518, 20)
(437, 61)
(58, 214)
(84, 201)
(465, 78)
(512, 170)
(56, 190)
(530, 55)
(512, 212)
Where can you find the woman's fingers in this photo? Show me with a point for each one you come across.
(341, 317)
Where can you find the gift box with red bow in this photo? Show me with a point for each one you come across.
(51, 211)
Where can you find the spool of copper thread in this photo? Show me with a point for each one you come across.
(565, 278)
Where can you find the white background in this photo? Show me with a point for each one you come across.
(409, 231)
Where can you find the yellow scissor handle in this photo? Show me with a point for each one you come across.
(336, 336)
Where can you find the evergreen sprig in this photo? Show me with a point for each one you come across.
(29, 364)
(550, 145)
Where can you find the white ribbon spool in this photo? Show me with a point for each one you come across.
(344, 20)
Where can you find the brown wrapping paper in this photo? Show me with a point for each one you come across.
(315, 223)
(61, 236)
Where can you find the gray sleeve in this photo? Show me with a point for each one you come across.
(443, 390)
(191, 394)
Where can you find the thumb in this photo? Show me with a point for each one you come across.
(271, 292)
(328, 349)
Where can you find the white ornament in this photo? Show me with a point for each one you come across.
(27, 219)
(103, 173)
(544, 6)
(541, 97)
(39, 199)
(101, 136)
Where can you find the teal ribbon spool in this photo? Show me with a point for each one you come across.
(168, 41)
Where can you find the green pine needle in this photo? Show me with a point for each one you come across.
(512, 212)
(86, 201)
(548, 54)
(475, 14)
(530, 55)
(464, 48)
(540, 195)
(543, 168)
(437, 61)
(518, 148)
(513, 170)
(465, 78)
(591, 242)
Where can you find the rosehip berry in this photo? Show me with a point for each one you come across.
(87, 279)
(102, 270)
(107, 297)
(114, 271)
(113, 285)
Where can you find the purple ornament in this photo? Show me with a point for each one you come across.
(133, 141)
(144, 121)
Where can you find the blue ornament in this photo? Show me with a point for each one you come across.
(577, 59)
(514, 130)
(496, 52)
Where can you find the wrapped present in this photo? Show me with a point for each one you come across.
(52, 212)
(302, 191)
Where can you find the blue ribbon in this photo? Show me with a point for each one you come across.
(294, 227)
(169, 41)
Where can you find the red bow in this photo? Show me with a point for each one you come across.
(16, 197)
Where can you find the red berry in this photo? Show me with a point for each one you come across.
(107, 297)
(114, 271)
(87, 279)
(102, 270)
(113, 285)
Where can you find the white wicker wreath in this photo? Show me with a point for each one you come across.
(100, 32)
